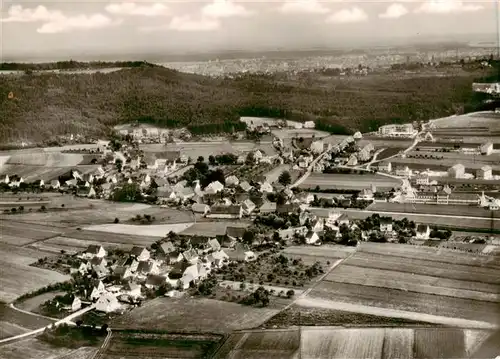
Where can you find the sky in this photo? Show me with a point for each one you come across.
(59, 27)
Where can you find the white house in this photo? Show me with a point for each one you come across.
(385, 167)
(386, 225)
(422, 179)
(200, 208)
(132, 289)
(218, 258)
(457, 171)
(423, 231)
(76, 304)
(226, 212)
(486, 149)
(94, 251)
(318, 225)
(214, 187)
(97, 290)
(290, 233)
(107, 303)
(140, 253)
(485, 173)
(309, 124)
(248, 207)
(265, 187)
(317, 147)
(311, 237)
(232, 181)
(245, 186)
(403, 171)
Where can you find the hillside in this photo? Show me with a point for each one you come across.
(47, 104)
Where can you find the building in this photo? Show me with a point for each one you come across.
(311, 237)
(386, 225)
(405, 130)
(140, 253)
(94, 251)
(214, 187)
(422, 179)
(423, 231)
(457, 171)
(291, 233)
(76, 304)
(485, 173)
(248, 207)
(403, 171)
(309, 124)
(385, 167)
(225, 212)
(232, 181)
(317, 147)
(200, 208)
(486, 149)
(107, 303)
(365, 153)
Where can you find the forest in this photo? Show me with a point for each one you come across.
(37, 107)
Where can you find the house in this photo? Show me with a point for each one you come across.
(190, 275)
(185, 193)
(213, 245)
(343, 219)
(257, 155)
(316, 147)
(54, 184)
(353, 161)
(235, 232)
(385, 166)
(148, 267)
(423, 231)
(97, 290)
(241, 253)
(268, 207)
(365, 153)
(245, 186)
(94, 251)
(76, 304)
(291, 233)
(422, 179)
(366, 194)
(122, 272)
(403, 171)
(214, 187)
(107, 303)
(81, 268)
(309, 124)
(248, 207)
(100, 270)
(217, 259)
(71, 183)
(305, 197)
(132, 289)
(306, 216)
(86, 192)
(287, 208)
(225, 212)
(166, 248)
(386, 225)
(486, 149)
(200, 208)
(155, 281)
(318, 225)
(166, 194)
(140, 253)
(485, 173)
(457, 171)
(98, 261)
(311, 237)
(266, 187)
(232, 181)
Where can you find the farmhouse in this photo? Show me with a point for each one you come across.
(166, 248)
(241, 253)
(316, 147)
(97, 290)
(311, 237)
(140, 253)
(266, 188)
(132, 289)
(486, 149)
(365, 153)
(148, 267)
(225, 212)
(76, 304)
(214, 187)
(122, 272)
(107, 303)
(485, 173)
(94, 251)
(457, 171)
(218, 258)
(309, 124)
(386, 225)
(245, 186)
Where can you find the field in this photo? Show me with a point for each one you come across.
(73, 245)
(151, 230)
(389, 152)
(126, 345)
(8, 329)
(438, 164)
(341, 343)
(33, 304)
(193, 315)
(430, 219)
(416, 279)
(18, 277)
(46, 159)
(485, 119)
(31, 173)
(458, 157)
(20, 234)
(22, 320)
(212, 229)
(303, 132)
(323, 254)
(469, 211)
(33, 348)
(342, 181)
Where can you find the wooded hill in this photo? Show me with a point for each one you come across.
(44, 105)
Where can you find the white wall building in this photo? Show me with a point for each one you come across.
(485, 173)
(457, 171)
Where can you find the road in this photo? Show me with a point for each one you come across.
(66, 320)
(309, 170)
(100, 353)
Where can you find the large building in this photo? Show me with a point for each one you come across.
(485, 173)
(405, 130)
(457, 171)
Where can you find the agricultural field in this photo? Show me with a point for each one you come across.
(212, 229)
(326, 254)
(33, 348)
(348, 181)
(423, 163)
(442, 221)
(452, 210)
(303, 132)
(73, 245)
(457, 157)
(125, 345)
(20, 234)
(389, 152)
(479, 119)
(151, 230)
(8, 329)
(416, 279)
(18, 277)
(33, 304)
(22, 320)
(31, 173)
(193, 315)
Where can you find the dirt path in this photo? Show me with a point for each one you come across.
(393, 313)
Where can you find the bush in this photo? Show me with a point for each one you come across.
(290, 293)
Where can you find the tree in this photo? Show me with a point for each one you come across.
(285, 178)
(290, 293)
(201, 159)
(248, 237)
(250, 160)
(211, 160)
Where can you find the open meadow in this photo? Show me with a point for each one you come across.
(193, 315)
(325, 254)
(489, 120)
(452, 210)
(18, 277)
(33, 348)
(213, 229)
(31, 173)
(348, 181)
(150, 230)
(21, 234)
(423, 163)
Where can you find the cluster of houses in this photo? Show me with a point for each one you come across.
(404, 130)
(124, 281)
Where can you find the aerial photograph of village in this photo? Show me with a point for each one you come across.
(323, 203)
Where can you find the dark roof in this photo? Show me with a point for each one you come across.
(145, 266)
(421, 228)
(93, 248)
(305, 143)
(96, 261)
(385, 220)
(214, 244)
(156, 280)
(136, 251)
(168, 155)
(286, 208)
(235, 232)
(225, 210)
